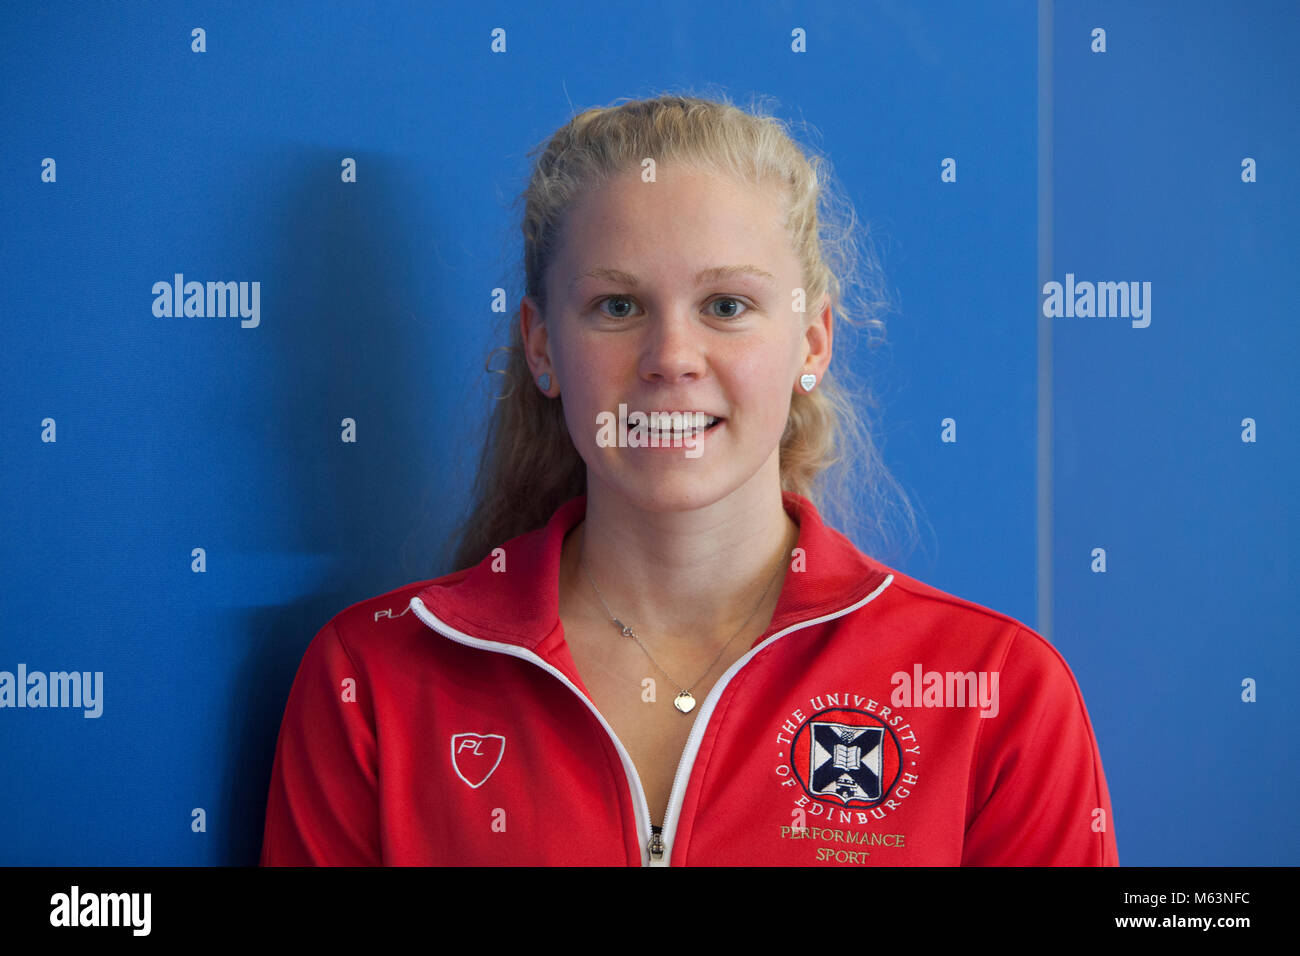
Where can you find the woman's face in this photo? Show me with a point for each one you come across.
(677, 295)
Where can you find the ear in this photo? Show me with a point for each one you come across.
(818, 337)
(537, 342)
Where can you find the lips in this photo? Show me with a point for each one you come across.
(687, 415)
(685, 420)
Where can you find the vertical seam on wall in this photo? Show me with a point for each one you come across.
(1044, 324)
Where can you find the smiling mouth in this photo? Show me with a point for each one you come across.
(687, 431)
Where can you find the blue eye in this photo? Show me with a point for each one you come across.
(627, 299)
(729, 298)
(615, 298)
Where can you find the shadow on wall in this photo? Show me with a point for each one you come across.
(349, 343)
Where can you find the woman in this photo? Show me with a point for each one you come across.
(655, 651)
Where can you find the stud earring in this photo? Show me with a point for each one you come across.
(808, 380)
(544, 380)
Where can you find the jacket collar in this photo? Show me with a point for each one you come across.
(514, 597)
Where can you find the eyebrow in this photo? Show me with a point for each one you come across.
(706, 275)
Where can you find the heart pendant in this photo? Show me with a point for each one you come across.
(684, 702)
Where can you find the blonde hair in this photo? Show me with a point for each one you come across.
(529, 465)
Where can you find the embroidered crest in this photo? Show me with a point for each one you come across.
(845, 761)
(848, 755)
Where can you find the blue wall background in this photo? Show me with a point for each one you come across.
(224, 165)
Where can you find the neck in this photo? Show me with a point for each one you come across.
(681, 580)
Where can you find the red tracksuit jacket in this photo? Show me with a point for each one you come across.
(444, 723)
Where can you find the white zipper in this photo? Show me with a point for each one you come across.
(656, 842)
(701, 723)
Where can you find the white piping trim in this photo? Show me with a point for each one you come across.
(514, 650)
(689, 754)
(687, 760)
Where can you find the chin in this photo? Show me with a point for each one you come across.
(679, 493)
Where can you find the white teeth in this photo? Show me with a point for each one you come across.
(688, 423)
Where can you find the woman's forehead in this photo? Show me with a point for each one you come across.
(727, 230)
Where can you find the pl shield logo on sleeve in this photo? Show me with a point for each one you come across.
(475, 756)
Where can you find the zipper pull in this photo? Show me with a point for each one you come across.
(656, 843)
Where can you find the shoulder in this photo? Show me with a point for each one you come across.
(933, 624)
(934, 616)
(381, 624)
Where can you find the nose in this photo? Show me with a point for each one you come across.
(674, 347)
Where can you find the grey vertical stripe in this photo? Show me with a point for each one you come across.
(1045, 269)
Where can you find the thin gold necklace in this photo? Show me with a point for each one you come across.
(684, 701)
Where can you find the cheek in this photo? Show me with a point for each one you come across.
(580, 416)
(763, 404)
(584, 395)
(761, 374)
